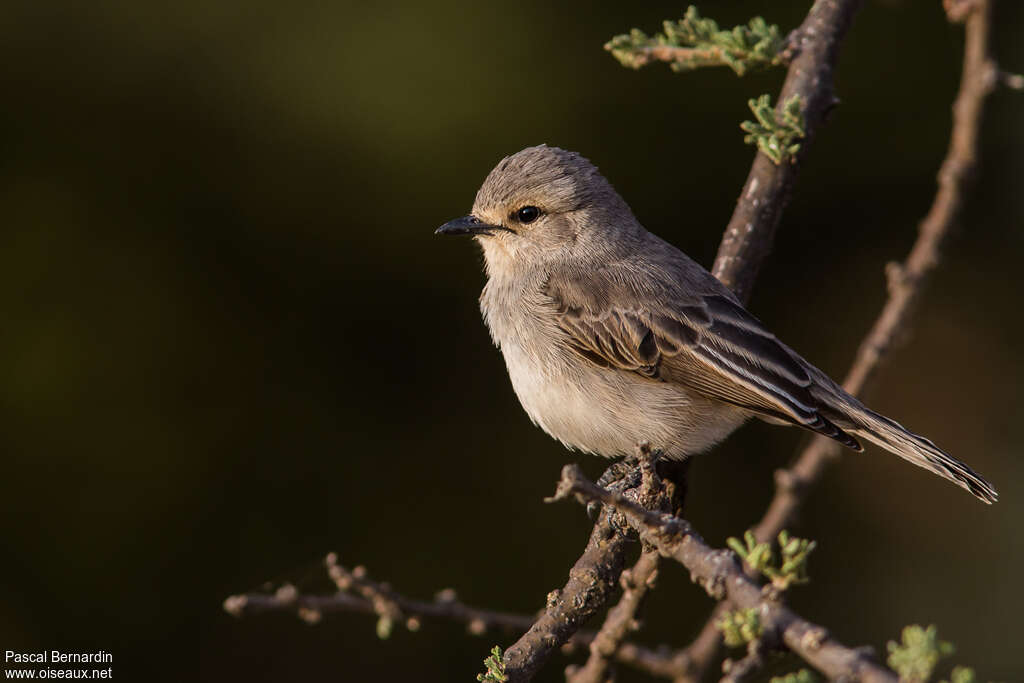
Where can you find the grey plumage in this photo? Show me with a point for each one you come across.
(613, 336)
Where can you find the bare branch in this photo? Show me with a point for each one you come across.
(737, 671)
(620, 621)
(751, 231)
(721, 575)
(311, 608)
(591, 582)
(383, 601)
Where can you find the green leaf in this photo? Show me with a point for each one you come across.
(740, 626)
(963, 674)
(801, 676)
(914, 658)
(792, 566)
(774, 133)
(495, 668)
(696, 41)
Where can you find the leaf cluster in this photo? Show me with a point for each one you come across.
(702, 43)
(740, 626)
(914, 658)
(495, 668)
(784, 569)
(774, 133)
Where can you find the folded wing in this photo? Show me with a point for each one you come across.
(707, 343)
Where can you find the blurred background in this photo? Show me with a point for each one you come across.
(231, 342)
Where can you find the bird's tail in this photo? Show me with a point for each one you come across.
(893, 437)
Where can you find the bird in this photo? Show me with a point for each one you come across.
(612, 336)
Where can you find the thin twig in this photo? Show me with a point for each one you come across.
(446, 606)
(737, 671)
(721, 575)
(311, 608)
(711, 55)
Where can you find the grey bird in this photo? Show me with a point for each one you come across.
(612, 336)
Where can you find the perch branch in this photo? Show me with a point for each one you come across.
(591, 582)
(721, 575)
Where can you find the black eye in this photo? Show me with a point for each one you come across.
(527, 214)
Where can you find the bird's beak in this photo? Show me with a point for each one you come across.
(467, 225)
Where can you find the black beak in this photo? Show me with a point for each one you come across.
(468, 225)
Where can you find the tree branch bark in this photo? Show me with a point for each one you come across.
(720, 574)
(748, 238)
(620, 621)
(591, 581)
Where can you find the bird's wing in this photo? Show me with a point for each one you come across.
(705, 342)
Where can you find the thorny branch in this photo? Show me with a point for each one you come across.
(906, 285)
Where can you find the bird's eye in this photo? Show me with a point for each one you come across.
(527, 214)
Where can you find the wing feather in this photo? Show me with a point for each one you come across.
(707, 343)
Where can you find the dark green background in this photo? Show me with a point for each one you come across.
(231, 342)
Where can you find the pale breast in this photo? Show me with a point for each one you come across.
(594, 409)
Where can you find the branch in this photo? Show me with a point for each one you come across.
(749, 235)
(907, 280)
(620, 621)
(719, 573)
(446, 606)
(906, 285)
(380, 600)
(697, 41)
(735, 672)
(591, 582)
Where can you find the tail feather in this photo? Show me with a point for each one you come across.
(893, 437)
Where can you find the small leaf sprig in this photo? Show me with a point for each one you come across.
(740, 626)
(776, 134)
(495, 668)
(791, 567)
(914, 658)
(696, 41)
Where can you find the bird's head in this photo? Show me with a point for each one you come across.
(544, 204)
